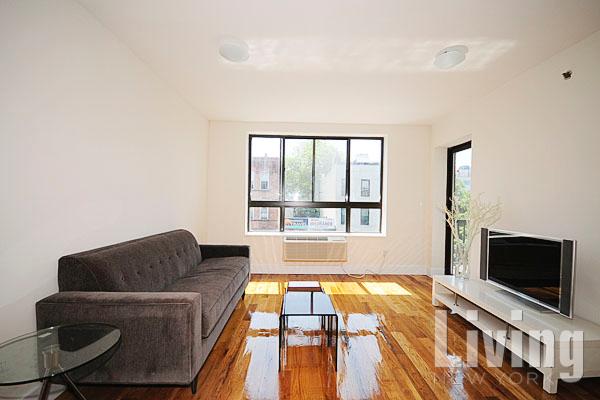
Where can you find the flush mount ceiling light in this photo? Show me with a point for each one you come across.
(234, 50)
(451, 56)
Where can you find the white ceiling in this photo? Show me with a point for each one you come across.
(367, 61)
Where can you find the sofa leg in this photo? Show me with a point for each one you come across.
(243, 295)
(194, 384)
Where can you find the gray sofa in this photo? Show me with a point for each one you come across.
(170, 297)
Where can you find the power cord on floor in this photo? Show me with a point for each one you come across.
(367, 271)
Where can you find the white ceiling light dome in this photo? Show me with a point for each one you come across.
(451, 56)
(234, 50)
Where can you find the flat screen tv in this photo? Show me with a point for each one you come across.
(537, 268)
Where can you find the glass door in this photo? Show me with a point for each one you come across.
(458, 188)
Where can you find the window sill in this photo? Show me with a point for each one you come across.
(325, 234)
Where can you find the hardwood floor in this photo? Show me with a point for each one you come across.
(386, 352)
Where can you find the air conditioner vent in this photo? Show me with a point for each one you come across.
(315, 249)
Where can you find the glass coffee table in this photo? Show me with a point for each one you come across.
(53, 354)
(307, 304)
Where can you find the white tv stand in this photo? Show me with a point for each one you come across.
(494, 308)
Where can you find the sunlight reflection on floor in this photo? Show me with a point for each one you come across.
(362, 322)
(361, 363)
(335, 288)
(365, 288)
(343, 288)
(385, 289)
(262, 380)
(259, 287)
(264, 321)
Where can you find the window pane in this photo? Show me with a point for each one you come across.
(298, 169)
(266, 165)
(365, 170)
(263, 219)
(315, 220)
(365, 220)
(330, 170)
(461, 192)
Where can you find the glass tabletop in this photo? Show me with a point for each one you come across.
(53, 351)
(307, 303)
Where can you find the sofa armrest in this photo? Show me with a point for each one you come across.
(161, 336)
(224, 250)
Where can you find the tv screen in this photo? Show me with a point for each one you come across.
(534, 267)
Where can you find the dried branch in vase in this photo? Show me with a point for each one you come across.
(465, 220)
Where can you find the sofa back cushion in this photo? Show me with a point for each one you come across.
(141, 265)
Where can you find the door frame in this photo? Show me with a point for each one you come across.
(449, 189)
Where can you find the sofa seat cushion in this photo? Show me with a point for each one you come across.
(233, 264)
(217, 280)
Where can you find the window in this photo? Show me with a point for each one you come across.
(367, 220)
(265, 168)
(298, 163)
(365, 188)
(330, 170)
(299, 219)
(458, 187)
(264, 213)
(264, 180)
(365, 164)
(263, 219)
(316, 183)
(364, 216)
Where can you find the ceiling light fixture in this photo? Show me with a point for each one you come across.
(234, 50)
(451, 56)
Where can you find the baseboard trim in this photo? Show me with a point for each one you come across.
(436, 271)
(338, 270)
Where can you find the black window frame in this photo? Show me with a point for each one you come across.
(282, 204)
(449, 192)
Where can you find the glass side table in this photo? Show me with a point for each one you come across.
(54, 353)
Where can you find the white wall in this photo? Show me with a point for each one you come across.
(536, 147)
(94, 149)
(405, 249)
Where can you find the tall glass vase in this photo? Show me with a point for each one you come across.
(462, 268)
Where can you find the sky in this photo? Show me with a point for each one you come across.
(463, 158)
